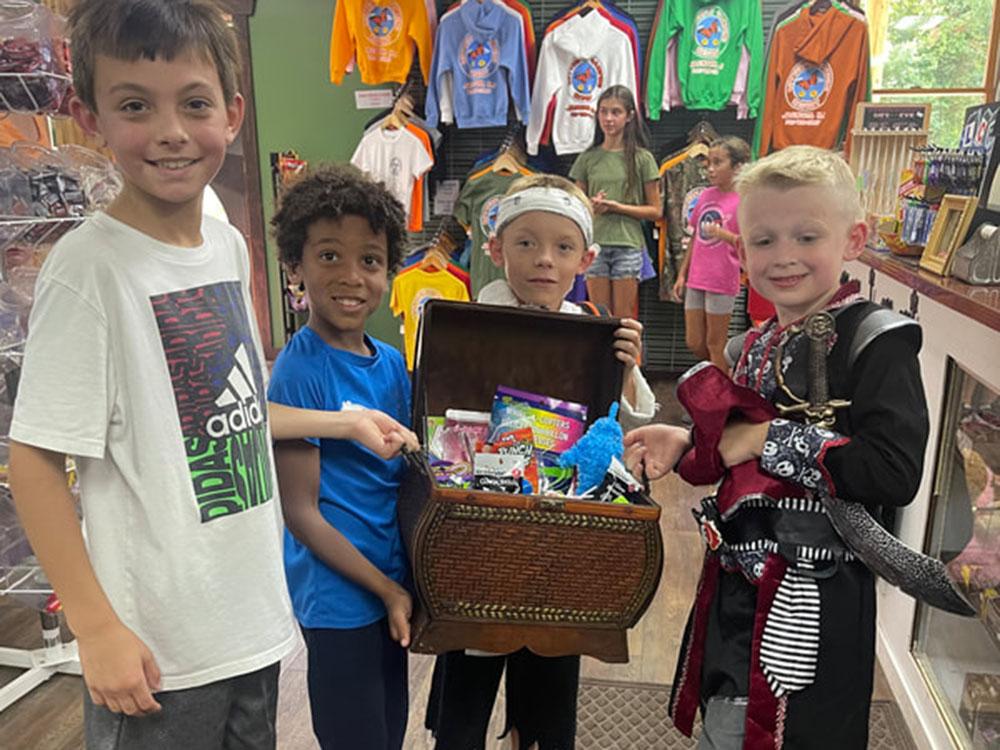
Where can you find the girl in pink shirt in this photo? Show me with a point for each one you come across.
(709, 276)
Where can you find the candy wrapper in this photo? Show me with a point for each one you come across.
(618, 486)
(556, 425)
(519, 443)
(500, 472)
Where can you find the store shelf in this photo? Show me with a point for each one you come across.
(34, 231)
(981, 303)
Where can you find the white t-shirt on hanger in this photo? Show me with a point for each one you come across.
(395, 157)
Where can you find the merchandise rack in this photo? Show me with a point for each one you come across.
(25, 80)
(21, 578)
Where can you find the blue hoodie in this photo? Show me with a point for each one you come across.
(478, 57)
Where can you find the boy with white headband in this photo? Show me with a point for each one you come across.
(544, 238)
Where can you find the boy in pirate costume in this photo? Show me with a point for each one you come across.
(826, 402)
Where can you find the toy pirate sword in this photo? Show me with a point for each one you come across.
(919, 575)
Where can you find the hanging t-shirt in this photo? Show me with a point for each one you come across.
(383, 34)
(395, 157)
(715, 264)
(357, 489)
(410, 291)
(605, 170)
(143, 361)
(476, 210)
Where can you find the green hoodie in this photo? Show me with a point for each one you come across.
(710, 35)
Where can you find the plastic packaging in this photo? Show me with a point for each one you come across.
(33, 71)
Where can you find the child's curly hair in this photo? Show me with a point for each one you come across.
(331, 191)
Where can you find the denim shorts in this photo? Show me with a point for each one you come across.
(616, 262)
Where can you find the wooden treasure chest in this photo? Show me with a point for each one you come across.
(498, 572)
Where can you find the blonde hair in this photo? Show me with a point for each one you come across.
(804, 166)
(550, 181)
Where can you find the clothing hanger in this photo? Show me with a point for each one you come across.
(702, 131)
(697, 149)
(511, 158)
(399, 118)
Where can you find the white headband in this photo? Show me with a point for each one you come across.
(553, 200)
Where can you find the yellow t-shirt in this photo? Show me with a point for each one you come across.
(411, 289)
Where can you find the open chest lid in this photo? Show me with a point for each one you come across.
(465, 350)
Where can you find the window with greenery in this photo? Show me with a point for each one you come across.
(937, 51)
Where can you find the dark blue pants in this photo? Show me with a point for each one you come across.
(358, 689)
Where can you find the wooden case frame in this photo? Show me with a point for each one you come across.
(950, 227)
(497, 572)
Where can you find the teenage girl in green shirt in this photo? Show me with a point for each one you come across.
(621, 177)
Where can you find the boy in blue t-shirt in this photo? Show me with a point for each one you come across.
(340, 234)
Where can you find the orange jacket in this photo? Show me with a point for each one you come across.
(816, 74)
(381, 38)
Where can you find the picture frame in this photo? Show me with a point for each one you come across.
(950, 227)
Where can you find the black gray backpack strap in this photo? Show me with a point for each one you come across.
(873, 323)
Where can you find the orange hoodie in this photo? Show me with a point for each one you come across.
(816, 75)
(383, 34)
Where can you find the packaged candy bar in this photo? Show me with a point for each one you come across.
(619, 486)
(448, 474)
(520, 442)
(499, 472)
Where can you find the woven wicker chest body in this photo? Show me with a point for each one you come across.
(499, 572)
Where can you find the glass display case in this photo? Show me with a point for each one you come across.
(960, 657)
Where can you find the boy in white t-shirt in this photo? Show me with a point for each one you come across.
(143, 362)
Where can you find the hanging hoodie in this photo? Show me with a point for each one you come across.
(479, 56)
(817, 73)
(383, 33)
(716, 41)
(578, 60)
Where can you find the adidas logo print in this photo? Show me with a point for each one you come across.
(238, 403)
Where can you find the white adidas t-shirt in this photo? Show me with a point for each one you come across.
(144, 362)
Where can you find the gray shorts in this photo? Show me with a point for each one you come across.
(235, 714)
(711, 302)
(722, 725)
(616, 262)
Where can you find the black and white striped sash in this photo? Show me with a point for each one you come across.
(790, 644)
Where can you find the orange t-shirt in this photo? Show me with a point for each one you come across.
(383, 35)
(816, 75)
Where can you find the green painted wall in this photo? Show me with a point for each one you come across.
(298, 108)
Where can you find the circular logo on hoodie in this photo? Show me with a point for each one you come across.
(808, 86)
(711, 32)
(477, 57)
(384, 21)
(585, 76)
